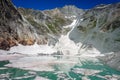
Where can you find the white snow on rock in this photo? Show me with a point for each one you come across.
(65, 45)
(68, 47)
(69, 17)
(71, 25)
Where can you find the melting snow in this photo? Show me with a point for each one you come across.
(69, 47)
(31, 50)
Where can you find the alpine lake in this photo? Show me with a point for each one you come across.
(56, 67)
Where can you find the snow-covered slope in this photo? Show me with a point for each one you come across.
(68, 47)
(65, 45)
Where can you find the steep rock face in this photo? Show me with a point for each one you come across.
(45, 21)
(50, 23)
(13, 27)
(100, 27)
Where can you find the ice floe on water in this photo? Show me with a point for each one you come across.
(61, 67)
(1, 68)
(110, 77)
(33, 63)
(86, 72)
(43, 63)
(47, 63)
(40, 78)
(4, 76)
(23, 77)
(10, 57)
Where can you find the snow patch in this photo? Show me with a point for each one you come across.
(66, 46)
(31, 50)
(40, 78)
(71, 25)
(68, 17)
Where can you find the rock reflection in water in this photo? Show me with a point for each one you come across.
(56, 68)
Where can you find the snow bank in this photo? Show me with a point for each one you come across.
(31, 50)
(66, 46)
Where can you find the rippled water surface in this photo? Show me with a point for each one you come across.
(56, 68)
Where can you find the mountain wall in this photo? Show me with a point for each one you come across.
(27, 26)
(100, 29)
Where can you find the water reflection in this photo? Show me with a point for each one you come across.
(56, 68)
(44, 63)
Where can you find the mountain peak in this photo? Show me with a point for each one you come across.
(69, 10)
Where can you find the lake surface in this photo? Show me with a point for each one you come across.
(56, 68)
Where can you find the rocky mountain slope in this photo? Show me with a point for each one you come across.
(27, 26)
(100, 28)
(14, 28)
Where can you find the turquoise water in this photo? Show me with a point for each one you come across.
(64, 69)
